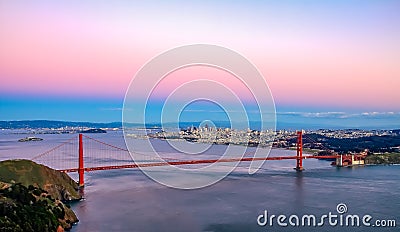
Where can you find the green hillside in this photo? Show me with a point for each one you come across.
(32, 197)
(59, 185)
(31, 209)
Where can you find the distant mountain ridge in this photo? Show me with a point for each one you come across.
(35, 124)
(281, 124)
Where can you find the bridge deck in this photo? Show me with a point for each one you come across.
(205, 161)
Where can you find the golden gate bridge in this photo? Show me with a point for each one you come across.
(70, 156)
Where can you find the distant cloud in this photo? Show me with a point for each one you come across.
(112, 109)
(212, 111)
(115, 109)
(340, 114)
(324, 114)
(314, 114)
(332, 114)
(379, 113)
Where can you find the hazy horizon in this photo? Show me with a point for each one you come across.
(281, 124)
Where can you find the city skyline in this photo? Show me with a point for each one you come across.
(324, 61)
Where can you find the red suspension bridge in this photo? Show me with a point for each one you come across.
(64, 158)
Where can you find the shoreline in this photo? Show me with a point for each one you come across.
(380, 159)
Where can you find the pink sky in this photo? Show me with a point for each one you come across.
(320, 54)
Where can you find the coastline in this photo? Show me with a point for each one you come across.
(371, 159)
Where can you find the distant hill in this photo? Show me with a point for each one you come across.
(35, 124)
(95, 131)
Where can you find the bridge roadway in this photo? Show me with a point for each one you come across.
(204, 161)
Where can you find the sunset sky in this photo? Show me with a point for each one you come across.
(74, 60)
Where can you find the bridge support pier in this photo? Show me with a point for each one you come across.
(299, 160)
(81, 170)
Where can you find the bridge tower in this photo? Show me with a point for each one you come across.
(81, 170)
(299, 160)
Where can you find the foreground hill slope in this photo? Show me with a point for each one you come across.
(59, 185)
(33, 197)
